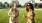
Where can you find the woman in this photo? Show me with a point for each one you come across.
(13, 13)
(30, 13)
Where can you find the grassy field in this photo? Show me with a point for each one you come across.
(4, 18)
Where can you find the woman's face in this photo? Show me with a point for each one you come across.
(14, 6)
(28, 6)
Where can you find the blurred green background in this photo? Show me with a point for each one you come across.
(4, 18)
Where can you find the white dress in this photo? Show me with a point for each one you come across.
(30, 17)
(10, 20)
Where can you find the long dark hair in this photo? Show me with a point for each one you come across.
(29, 5)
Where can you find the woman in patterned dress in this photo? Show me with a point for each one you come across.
(13, 13)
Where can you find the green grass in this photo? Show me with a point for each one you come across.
(4, 18)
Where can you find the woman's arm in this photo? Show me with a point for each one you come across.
(24, 16)
(9, 13)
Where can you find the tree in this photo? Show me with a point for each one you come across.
(19, 5)
(25, 4)
(6, 5)
(0, 4)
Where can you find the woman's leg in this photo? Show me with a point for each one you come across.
(10, 20)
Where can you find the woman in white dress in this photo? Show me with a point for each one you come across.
(13, 14)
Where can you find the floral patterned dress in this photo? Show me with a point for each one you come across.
(14, 16)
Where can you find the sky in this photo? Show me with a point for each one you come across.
(22, 2)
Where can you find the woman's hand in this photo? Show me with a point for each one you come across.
(24, 16)
(30, 17)
(13, 15)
